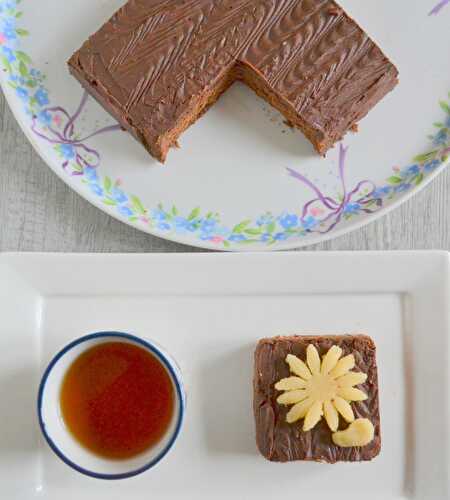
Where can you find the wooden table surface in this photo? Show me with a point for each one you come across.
(38, 212)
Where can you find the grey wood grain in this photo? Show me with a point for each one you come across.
(38, 212)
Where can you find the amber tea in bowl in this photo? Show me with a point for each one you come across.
(111, 405)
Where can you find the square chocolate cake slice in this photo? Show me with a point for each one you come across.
(316, 398)
(157, 65)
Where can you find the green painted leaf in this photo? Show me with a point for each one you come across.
(271, 227)
(23, 57)
(6, 64)
(240, 227)
(137, 205)
(107, 184)
(194, 214)
(253, 232)
(425, 157)
(445, 107)
(110, 202)
(22, 32)
(23, 70)
(174, 211)
(226, 244)
(438, 124)
(19, 14)
(419, 178)
(133, 218)
(394, 180)
(31, 83)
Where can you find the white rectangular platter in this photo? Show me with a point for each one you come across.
(208, 311)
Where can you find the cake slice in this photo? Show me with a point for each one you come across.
(316, 398)
(157, 65)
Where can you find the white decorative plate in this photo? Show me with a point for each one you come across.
(241, 179)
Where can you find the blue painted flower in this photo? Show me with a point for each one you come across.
(22, 93)
(264, 220)
(222, 231)
(447, 122)
(191, 227)
(90, 174)
(381, 192)
(181, 222)
(352, 208)
(9, 22)
(9, 5)
(158, 214)
(207, 226)
(205, 236)
(68, 151)
(44, 117)
(237, 238)
(412, 170)
(401, 188)
(124, 210)
(431, 165)
(96, 189)
(265, 237)
(164, 226)
(441, 138)
(9, 54)
(289, 221)
(118, 195)
(280, 237)
(183, 225)
(9, 33)
(309, 222)
(41, 96)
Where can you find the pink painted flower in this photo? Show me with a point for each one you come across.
(217, 239)
(144, 219)
(57, 120)
(315, 212)
(2, 39)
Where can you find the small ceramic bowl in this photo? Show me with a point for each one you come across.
(61, 440)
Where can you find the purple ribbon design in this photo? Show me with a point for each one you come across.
(84, 156)
(334, 209)
(439, 7)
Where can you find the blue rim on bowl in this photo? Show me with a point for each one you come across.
(180, 395)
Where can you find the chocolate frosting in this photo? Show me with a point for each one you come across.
(279, 441)
(154, 59)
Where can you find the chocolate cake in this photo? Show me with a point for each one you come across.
(280, 434)
(157, 65)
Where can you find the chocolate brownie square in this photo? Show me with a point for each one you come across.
(157, 66)
(316, 398)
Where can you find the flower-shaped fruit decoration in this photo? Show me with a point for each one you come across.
(323, 388)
